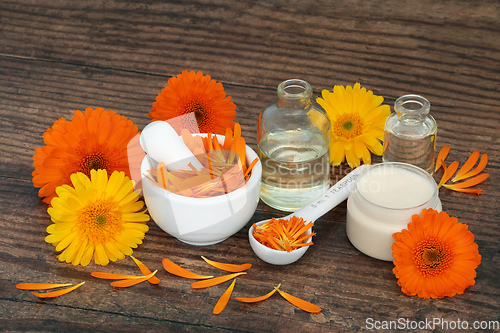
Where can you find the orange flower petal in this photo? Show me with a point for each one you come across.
(57, 293)
(114, 276)
(468, 183)
(467, 190)
(146, 271)
(300, 303)
(443, 153)
(131, 282)
(471, 161)
(214, 281)
(227, 267)
(40, 286)
(448, 173)
(250, 167)
(222, 302)
(258, 299)
(228, 140)
(480, 167)
(175, 269)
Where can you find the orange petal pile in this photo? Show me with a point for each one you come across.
(126, 280)
(46, 286)
(300, 303)
(224, 166)
(465, 171)
(284, 234)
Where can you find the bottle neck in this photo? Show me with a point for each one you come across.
(295, 93)
(412, 109)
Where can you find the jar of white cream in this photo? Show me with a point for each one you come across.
(383, 200)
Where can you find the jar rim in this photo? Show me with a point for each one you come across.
(410, 167)
(401, 105)
(294, 89)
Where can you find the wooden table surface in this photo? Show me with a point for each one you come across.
(59, 56)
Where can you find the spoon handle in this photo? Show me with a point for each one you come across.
(335, 195)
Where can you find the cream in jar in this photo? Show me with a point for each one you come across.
(383, 201)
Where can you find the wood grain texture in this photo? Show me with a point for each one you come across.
(58, 56)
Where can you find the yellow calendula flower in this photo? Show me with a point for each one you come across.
(97, 217)
(357, 119)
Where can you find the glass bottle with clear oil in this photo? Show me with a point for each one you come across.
(293, 146)
(410, 133)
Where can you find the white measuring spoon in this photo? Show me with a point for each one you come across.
(330, 199)
(319, 207)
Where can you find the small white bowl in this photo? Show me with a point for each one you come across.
(203, 221)
(272, 256)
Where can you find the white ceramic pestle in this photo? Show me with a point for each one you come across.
(162, 144)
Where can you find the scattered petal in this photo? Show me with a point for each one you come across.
(131, 282)
(480, 167)
(228, 267)
(258, 299)
(57, 293)
(301, 304)
(146, 271)
(466, 190)
(114, 276)
(222, 302)
(449, 173)
(443, 153)
(215, 281)
(175, 269)
(471, 161)
(468, 183)
(40, 286)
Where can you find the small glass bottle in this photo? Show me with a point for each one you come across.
(293, 146)
(410, 133)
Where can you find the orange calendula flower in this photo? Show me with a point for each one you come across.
(284, 234)
(199, 102)
(96, 139)
(435, 256)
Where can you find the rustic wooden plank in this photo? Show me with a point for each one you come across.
(261, 43)
(326, 275)
(56, 58)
